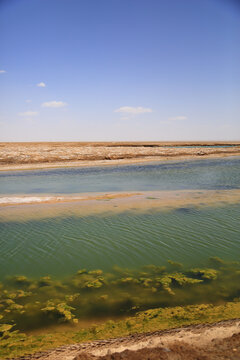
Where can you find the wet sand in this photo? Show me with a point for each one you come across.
(27, 156)
(29, 207)
(33, 199)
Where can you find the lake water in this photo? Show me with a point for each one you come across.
(60, 245)
(201, 174)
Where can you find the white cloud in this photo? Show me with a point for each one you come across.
(177, 118)
(28, 101)
(2, 71)
(41, 84)
(28, 113)
(133, 110)
(54, 104)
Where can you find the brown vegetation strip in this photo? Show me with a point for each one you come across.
(59, 154)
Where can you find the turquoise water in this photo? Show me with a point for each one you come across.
(172, 175)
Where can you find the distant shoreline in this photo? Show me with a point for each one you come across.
(31, 156)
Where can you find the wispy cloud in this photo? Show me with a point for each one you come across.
(133, 110)
(41, 84)
(54, 104)
(2, 71)
(28, 113)
(177, 118)
(28, 101)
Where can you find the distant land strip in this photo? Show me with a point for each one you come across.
(40, 155)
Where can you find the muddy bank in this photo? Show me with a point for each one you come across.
(228, 348)
(206, 341)
(23, 156)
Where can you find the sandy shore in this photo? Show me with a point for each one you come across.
(25, 199)
(22, 208)
(26, 156)
(206, 341)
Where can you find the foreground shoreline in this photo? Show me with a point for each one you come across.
(31, 156)
(215, 335)
(186, 342)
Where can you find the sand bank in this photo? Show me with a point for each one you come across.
(32, 199)
(21, 208)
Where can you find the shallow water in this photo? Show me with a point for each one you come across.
(36, 303)
(62, 245)
(59, 244)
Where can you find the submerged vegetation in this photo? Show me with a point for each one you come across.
(15, 343)
(28, 304)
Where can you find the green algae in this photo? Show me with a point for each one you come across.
(5, 330)
(183, 280)
(35, 303)
(209, 274)
(61, 311)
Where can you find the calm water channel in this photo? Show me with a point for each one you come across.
(60, 245)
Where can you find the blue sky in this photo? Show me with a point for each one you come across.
(81, 70)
